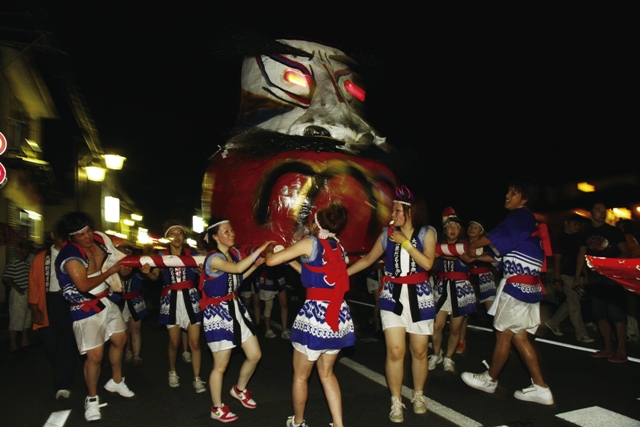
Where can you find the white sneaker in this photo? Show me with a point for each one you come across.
(434, 359)
(174, 379)
(63, 394)
(92, 408)
(448, 364)
(121, 388)
(286, 334)
(554, 329)
(482, 382)
(536, 394)
(198, 385)
(419, 404)
(270, 334)
(291, 423)
(186, 357)
(396, 415)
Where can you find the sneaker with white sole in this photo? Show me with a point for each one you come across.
(286, 334)
(198, 385)
(419, 403)
(244, 396)
(291, 423)
(92, 408)
(174, 379)
(223, 414)
(396, 415)
(434, 359)
(128, 357)
(482, 382)
(536, 394)
(556, 331)
(448, 364)
(63, 394)
(586, 339)
(270, 334)
(121, 388)
(186, 357)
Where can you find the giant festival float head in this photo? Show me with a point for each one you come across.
(300, 143)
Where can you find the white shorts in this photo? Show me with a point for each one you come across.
(516, 316)
(182, 316)
(19, 313)
(126, 314)
(94, 331)
(373, 285)
(245, 334)
(391, 320)
(312, 355)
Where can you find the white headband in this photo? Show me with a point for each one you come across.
(174, 226)
(79, 231)
(206, 236)
(323, 234)
(402, 202)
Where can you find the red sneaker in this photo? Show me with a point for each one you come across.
(223, 414)
(244, 396)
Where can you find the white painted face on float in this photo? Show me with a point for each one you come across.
(315, 95)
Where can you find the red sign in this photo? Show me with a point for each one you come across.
(3, 173)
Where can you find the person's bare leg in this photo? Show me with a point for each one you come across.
(605, 331)
(395, 339)
(174, 343)
(92, 366)
(116, 350)
(302, 368)
(193, 332)
(134, 344)
(455, 325)
(529, 357)
(331, 387)
(220, 362)
(500, 353)
(418, 345)
(438, 327)
(621, 332)
(252, 352)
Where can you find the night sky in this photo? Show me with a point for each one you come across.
(467, 93)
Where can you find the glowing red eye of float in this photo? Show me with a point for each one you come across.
(297, 78)
(354, 90)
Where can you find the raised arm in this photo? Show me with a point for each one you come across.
(374, 254)
(301, 247)
(217, 263)
(78, 273)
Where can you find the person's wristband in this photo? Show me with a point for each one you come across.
(406, 245)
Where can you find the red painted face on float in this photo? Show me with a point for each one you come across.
(301, 135)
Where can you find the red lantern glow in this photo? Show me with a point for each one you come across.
(354, 90)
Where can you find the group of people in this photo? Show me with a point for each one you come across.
(421, 289)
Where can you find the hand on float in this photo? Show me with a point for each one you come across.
(145, 269)
(466, 258)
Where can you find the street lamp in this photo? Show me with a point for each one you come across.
(113, 161)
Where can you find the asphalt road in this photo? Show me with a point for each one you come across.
(579, 383)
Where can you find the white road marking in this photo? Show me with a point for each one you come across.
(433, 406)
(596, 416)
(577, 347)
(361, 303)
(58, 419)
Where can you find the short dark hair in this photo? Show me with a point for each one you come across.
(72, 222)
(576, 218)
(526, 187)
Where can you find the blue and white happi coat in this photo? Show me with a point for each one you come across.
(421, 298)
(463, 296)
(221, 322)
(519, 252)
(191, 296)
(310, 327)
(137, 306)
